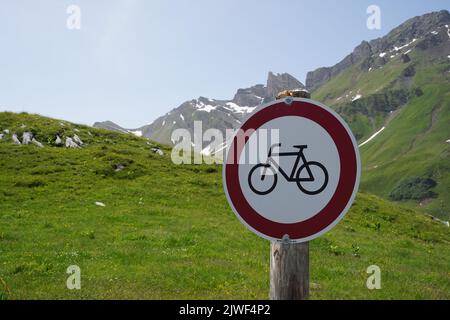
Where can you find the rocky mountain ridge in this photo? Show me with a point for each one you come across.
(213, 113)
(432, 28)
(413, 28)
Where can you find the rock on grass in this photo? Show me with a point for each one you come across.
(158, 151)
(15, 139)
(71, 144)
(77, 140)
(37, 143)
(58, 141)
(27, 137)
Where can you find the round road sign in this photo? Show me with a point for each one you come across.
(292, 170)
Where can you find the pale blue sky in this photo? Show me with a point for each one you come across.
(134, 60)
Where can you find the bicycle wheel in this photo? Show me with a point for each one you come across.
(260, 184)
(319, 172)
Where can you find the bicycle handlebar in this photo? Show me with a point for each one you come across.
(272, 146)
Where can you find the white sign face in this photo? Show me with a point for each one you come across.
(298, 185)
(319, 155)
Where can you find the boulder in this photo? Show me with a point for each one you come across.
(71, 144)
(6, 131)
(27, 137)
(58, 141)
(15, 139)
(1, 136)
(405, 58)
(77, 140)
(158, 151)
(100, 204)
(37, 143)
(118, 167)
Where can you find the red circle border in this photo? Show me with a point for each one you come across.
(347, 180)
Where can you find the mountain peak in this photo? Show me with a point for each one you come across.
(281, 81)
(414, 28)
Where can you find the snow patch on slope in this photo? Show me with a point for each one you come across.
(404, 46)
(137, 133)
(357, 97)
(238, 109)
(372, 136)
(200, 106)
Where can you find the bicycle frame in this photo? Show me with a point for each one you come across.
(300, 156)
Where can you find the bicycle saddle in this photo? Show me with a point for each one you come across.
(300, 146)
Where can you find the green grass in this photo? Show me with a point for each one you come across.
(413, 145)
(378, 89)
(356, 80)
(167, 231)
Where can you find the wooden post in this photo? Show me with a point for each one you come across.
(289, 271)
(289, 262)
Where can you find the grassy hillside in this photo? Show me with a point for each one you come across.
(413, 146)
(365, 98)
(410, 160)
(168, 232)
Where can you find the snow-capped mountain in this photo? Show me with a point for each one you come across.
(394, 92)
(374, 54)
(218, 114)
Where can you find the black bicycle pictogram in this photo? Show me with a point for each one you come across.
(295, 175)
